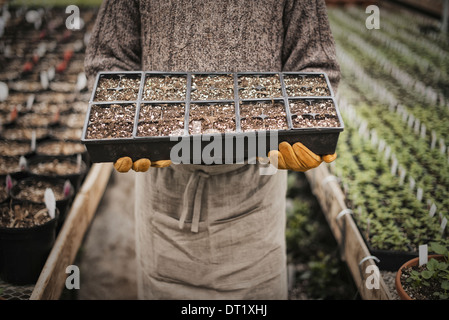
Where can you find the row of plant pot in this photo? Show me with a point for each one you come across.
(42, 113)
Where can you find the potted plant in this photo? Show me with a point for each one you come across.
(27, 235)
(429, 281)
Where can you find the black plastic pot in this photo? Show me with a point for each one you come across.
(14, 169)
(24, 251)
(389, 260)
(75, 178)
(321, 140)
(63, 205)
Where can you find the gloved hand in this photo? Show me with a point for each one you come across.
(297, 157)
(124, 164)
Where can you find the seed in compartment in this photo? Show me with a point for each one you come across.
(161, 120)
(212, 87)
(117, 88)
(165, 88)
(263, 116)
(259, 86)
(111, 121)
(212, 118)
(302, 85)
(313, 113)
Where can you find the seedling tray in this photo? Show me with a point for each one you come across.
(146, 114)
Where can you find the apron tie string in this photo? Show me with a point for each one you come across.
(194, 189)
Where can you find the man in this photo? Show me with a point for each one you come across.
(213, 232)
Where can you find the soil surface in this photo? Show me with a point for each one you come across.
(212, 87)
(169, 88)
(253, 86)
(117, 88)
(263, 116)
(305, 85)
(23, 216)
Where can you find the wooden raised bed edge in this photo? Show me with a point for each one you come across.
(353, 249)
(52, 279)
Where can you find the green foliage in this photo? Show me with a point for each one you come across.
(311, 246)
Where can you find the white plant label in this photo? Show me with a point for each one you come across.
(33, 140)
(412, 183)
(23, 163)
(30, 101)
(423, 255)
(419, 194)
(403, 172)
(443, 225)
(50, 202)
(4, 91)
(434, 140)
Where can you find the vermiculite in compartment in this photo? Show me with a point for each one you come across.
(212, 87)
(313, 113)
(263, 116)
(161, 120)
(117, 88)
(111, 121)
(212, 118)
(259, 86)
(306, 85)
(165, 88)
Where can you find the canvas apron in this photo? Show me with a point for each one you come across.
(211, 232)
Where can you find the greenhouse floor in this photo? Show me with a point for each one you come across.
(107, 258)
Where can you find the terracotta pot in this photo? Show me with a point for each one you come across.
(411, 263)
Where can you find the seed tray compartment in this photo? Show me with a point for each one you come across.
(246, 114)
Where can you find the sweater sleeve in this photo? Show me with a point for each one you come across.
(308, 41)
(115, 41)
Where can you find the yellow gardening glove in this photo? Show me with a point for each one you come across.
(124, 164)
(297, 157)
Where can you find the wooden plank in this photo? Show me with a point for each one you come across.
(352, 247)
(53, 276)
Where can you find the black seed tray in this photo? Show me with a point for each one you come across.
(237, 115)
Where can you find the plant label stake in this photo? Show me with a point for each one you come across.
(417, 126)
(51, 73)
(403, 172)
(81, 82)
(33, 140)
(381, 145)
(44, 80)
(50, 202)
(442, 146)
(387, 152)
(78, 162)
(434, 140)
(423, 255)
(8, 183)
(394, 165)
(67, 188)
(30, 101)
(423, 131)
(411, 120)
(419, 194)
(443, 225)
(23, 163)
(412, 183)
(4, 91)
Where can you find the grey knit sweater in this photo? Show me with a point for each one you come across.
(215, 35)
